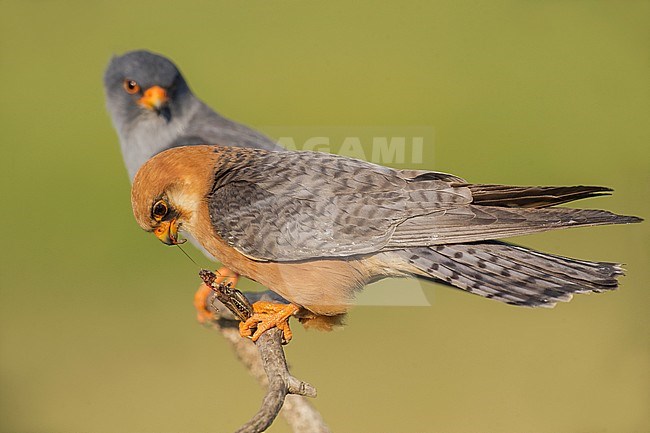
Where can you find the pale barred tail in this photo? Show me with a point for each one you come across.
(512, 274)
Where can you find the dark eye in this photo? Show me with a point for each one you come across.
(131, 86)
(159, 210)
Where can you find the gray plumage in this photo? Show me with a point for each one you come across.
(512, 274)
(184, 120)
(301, 206)
(304, 205)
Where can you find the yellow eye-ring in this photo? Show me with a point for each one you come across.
(159, 210)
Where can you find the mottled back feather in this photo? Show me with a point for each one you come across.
(303, 205)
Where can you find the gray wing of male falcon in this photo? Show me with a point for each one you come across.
(304, 205)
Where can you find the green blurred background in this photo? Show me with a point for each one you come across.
(97, 329)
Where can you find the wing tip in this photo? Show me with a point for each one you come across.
(628, 219)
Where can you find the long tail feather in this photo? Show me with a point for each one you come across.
(532, 196)
(512, 274)
(480, 223)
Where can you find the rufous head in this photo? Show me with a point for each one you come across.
(169, 188)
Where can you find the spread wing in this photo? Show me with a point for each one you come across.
(288, 206)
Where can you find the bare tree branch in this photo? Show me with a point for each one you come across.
(265, 360)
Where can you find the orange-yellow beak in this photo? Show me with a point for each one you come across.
(154, 98)
(167, 232)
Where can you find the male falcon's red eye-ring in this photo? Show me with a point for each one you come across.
(159, 210)
(131, 86)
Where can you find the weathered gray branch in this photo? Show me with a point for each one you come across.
(266, 362)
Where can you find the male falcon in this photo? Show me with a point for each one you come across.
(153, 109)
(315, 228)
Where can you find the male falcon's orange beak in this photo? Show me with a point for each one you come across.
(167, 232)
(154, 98)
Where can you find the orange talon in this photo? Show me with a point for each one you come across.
(203, 315)
(267, 315)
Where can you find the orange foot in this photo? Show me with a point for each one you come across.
(267, 315)
(226, 276)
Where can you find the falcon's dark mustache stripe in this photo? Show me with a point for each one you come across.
(513, 274)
